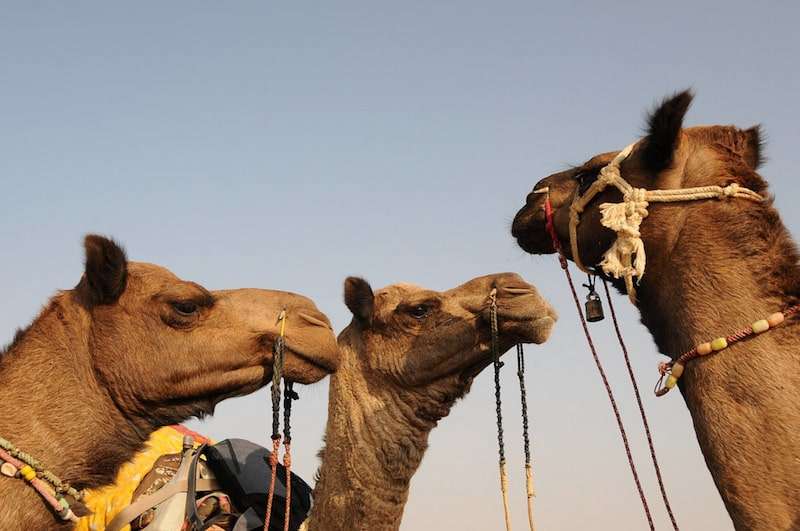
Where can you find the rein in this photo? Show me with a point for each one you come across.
(548, 210)
(495, 345)
(54, 491)
(278, 360)
(626, 257)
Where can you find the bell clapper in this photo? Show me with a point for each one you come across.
(594, 307)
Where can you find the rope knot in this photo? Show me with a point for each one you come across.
(663, 368)
(731, 190)
(608, 174)
(638, 195)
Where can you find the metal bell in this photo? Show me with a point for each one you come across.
(594, 307)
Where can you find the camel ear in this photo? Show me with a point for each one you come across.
(106, 271)
(358, 297)
(663, 131)
(754, 147)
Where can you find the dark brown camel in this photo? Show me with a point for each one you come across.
(406, 357)
(130, 349)
(713, 266)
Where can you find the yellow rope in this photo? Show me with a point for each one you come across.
(531, 494)
(504, 490)
(626, 257)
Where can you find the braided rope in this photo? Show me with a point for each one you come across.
(273, 462)
(498, 406)
(525, 437)
(61, 487)
(645, 423)
(24, 471)
(548, 209)
(288, 396)
(278, 353)
(626, 257)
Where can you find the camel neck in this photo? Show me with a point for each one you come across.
(743, 400)
(54, 409)
(374, 442)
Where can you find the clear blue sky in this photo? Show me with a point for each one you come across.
(254, 144)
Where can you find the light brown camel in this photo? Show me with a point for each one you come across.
(406, 357)
(713, 267)
(132, 348)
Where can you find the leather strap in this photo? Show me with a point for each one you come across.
(149, 501)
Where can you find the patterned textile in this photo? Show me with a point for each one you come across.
(106, 502)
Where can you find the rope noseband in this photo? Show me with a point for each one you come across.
(626, 257)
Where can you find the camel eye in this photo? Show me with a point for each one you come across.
(585, 179)
(419, 311)
(185, 308)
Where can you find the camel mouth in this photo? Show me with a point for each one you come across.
(528, 229)
(535, 244)
(303, 363)
(324, 365)
(476, 368)
(518, 330)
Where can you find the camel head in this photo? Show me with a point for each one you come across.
(167, 349)
(413, 336)
(668, 157)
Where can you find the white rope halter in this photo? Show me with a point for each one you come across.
(626, 257)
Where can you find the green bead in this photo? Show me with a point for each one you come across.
(719, 343)
(760, 326)
(671, 381)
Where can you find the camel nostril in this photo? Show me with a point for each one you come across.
(315, 320)
(517, 290)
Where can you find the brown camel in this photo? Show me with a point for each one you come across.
(713, 266)
(132, 348)
(406, 357)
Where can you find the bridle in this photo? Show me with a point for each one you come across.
(626, 257)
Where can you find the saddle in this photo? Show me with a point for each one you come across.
(218, 488)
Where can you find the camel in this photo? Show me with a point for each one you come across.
(738, 264)
(406, 357)
(131, 348)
